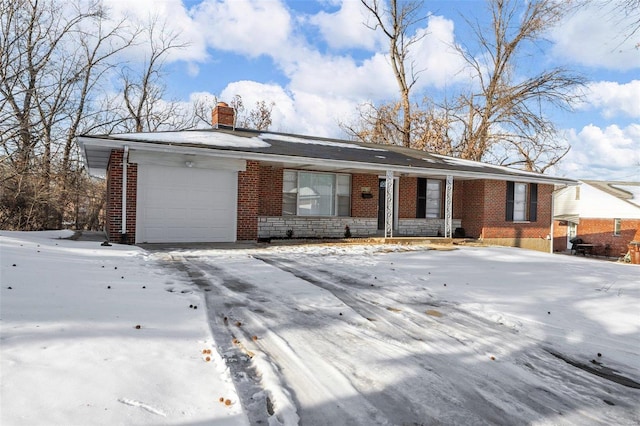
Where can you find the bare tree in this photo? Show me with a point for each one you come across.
(46, 75)
(502, 117)
(144, 91)
(380, 124)
(396, 22)
(258, 118)
(504, 113)
(627, 9)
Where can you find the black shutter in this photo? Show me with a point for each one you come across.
(510, 204)
(421, 198)
(533, 202)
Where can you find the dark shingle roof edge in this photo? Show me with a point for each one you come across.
(243, 143)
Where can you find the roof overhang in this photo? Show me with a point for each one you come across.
(573, 218)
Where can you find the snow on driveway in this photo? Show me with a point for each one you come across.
(314, 335)
(381, 335)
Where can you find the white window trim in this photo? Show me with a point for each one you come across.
(335, 195)
(440, 198)
(617, 227)
(524, 202)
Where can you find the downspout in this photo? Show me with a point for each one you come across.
(125, 161)
(553, 195)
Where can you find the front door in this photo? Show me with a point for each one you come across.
(382, 197)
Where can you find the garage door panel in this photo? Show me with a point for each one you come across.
(186, 205)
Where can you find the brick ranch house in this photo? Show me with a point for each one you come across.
(605, 214)
(226, 184)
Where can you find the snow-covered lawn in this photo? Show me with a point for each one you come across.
(71, 349)
(320, 334)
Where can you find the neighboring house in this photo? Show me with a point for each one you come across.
(226, 184)
(605, 214)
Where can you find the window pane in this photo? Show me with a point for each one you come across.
(290, 181)
(289, 193)
(520, 202)
(344, 185)
(289, 204)
(343, 195)
(344, 205)
(316, 194)
(434, 197)
(617, 225)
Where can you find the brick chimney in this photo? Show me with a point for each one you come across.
(222, 116)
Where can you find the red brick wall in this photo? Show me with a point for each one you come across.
(270, 191)
(483, 208)
(495, 211)
(407, 197)
(560, 235)
(458, 197)
(113, 222)
(471, 206)
(364, 207)
(248, 202)
(600, 232)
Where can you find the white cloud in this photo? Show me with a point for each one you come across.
(609, 153)
(252, 92)
(295, 111)
(435, 55)
(248, 27)
(614, 98)
(372, 79)
(346, 28)
(598, 35)
(342, 77)
(171, 19)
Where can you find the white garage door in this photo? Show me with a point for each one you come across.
(180, 204)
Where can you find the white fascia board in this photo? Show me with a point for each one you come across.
(338, 164)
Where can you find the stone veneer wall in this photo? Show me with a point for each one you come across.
(334, 227)
(316, 227)
(424, 227)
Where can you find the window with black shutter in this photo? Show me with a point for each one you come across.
(429, 198)
(510, 192)
(521, 202)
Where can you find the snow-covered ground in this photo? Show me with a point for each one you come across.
(71, 352)
(320, 334)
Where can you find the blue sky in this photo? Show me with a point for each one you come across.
(317, 61)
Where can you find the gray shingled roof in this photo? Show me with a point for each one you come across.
(289, 149)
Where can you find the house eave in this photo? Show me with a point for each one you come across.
(96, 152)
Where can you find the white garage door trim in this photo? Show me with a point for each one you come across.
(185, 204)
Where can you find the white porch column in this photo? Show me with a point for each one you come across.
(388, 205)
(448, 208)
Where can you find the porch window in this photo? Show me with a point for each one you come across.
(429, 200)
(617, 226)
(522, 202)
(315, 194)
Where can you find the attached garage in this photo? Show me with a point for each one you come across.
(185, 200)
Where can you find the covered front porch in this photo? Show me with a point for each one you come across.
(380, 204)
